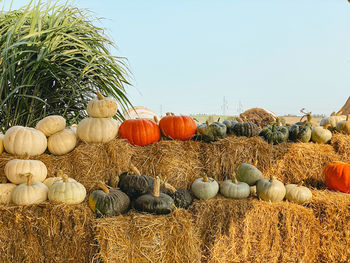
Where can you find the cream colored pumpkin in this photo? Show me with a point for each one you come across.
(1, 143)
(51, 124)
(333, 119)
(51, 180)
(102, 107)
(17, 168)
(321, 134)
(270, 189)
(62, 142)
(30, 192)
(6, 190)
(297, 193)
(344, 126)
(67, 192)
(233, 189)
(19, 140)
(97, 129)
(205, 188)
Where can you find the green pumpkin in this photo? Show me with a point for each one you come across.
(270, 189)
(247, 129)
(108, 202)
(274, 134)
(229, 126)
(182, 198)
(248, 173)
(155, 203)
(205, 187)
(321, 134)
(233, 189)
(300, 133)
(212, 132)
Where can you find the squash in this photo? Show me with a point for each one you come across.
(140, 112)
(247, 129)
(275, 134)
(212, 132)
(231, 188)
(321, 134)
(6, 190)
(333, 120)
(182, 198)
(59, 177)
(248, 173)
(205, 188)
(17, 168)
(97, 129)
(178, 127)
(337, 176)
(108, 202)
(62, 142)
(297, 193)
(270, 189)
(1, 143)
(102, 107)
(30, 192)
(51, 124)
(67, 192)
(155, 203)
(139, 132)
(19, 140)
(344, 126)
(301, 132)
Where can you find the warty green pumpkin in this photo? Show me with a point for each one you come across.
(182, 198)
(212, 132)
(301, 132)
(275, 134)
(247, 129)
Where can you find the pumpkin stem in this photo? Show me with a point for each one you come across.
(99, 96)
(309, 117)
(59, 173)
(3, 180)
(255, 163)
(25, 156)
(303, 125)
(156, 187)
(278, 121)
(168, 114)
(172, 113)
(155, 119)
(234, 178)
(65, 178)
(205, 178)
(134, 169)
(168, 186)
(29, 178)
(326, 126)
(300, 183)
(271, 178)
(207, 123)
(103, 187)
(339, 113)
(333, 113)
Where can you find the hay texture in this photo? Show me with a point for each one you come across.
(46, 233)
(259, 116)
(332, 210)
(341, 144)
(255, 231)
(136, 238)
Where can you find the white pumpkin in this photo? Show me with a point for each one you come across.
(102, 107)
(321, 134)
(6, 190)
(17, 168)
(51, 124)
(1, 143)
(19, 140)
(231, 188)
(74, 128)
(97, 129)
(30, 192)
(270, 189)
(333, 119)
(205, 187)
(297, 193)
(62, 142)
(140, 112)
(51, 180)
(67, 192)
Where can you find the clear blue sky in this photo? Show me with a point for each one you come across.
(186, 55)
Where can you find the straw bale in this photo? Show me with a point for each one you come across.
(137, 237)
(341, 144)
(46, 233)
(332, 210)
(255, 231)
(259, 116)
(176, 162)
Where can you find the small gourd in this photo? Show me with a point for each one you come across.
(344, 126)
(67, 192)
(102, 107)
(62, 142)
(212, 132)
(108, 202)
(321, 134)
(270, 189)
(49, 181)
(6, 190)
(231, 188)
(275, 134)
(15, 170)
(297, 193)
(205, 187)
(51, 125)
(155, 202)
(248, 173)
(30, 192)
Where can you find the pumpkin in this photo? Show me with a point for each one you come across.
(17, 168)
(19, 140)
(155, 203)
(139, 132)
(67, 192)
(205, 188)
(297, 193)
(212, 132)
(108, 202)
(97, 129)
(1, 143)
(301, 132)
(247, 129)
(248, 173)
(229, 126)
(62, 142)
(275, 134)
(337, 176)
(178, 127)
(344, 126)
(30, 192)
(270, 189)
(321, 134)
(333, 120)
(182, 198)
(231, 188)
(51, 124)
(51, 180)
(102, 107)
(6, 190)
(140, 112)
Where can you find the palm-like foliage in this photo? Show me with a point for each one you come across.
(53, 58)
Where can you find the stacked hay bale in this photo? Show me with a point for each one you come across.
(259, 116)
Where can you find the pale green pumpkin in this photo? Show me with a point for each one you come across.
(231, 188)
(205, 187)
(321, 134)
(270, 189)
(297, 193)
(248, 173)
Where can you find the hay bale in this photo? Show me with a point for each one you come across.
(139, 238)
(341, 144)
(332, 210)
(176, 162)
(46, 233)
(255, 231)
(293, 162)
(259, 116)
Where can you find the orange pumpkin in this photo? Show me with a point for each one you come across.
(178, 127)
(139, 132)
(337, 176)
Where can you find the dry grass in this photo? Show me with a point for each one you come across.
(341, 144)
